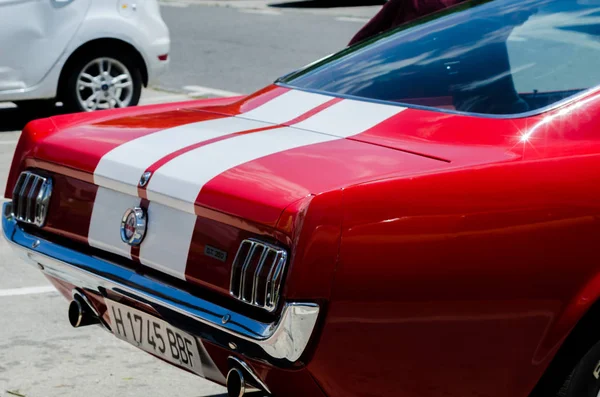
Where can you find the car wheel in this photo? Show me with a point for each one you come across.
(107, 81)
(584, 381)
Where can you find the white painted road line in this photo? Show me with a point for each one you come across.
(196, 90)
(46, 289)
(352, 19)
(165, 99)
(263, 12)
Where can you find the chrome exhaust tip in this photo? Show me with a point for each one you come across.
(236, 384)
(243, 382)
(80, 314)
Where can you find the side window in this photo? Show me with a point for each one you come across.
(555, 54)
(499, 57)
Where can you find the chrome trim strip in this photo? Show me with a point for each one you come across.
(286, 338)
(244, 272)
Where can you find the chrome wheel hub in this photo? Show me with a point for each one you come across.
(104, 83)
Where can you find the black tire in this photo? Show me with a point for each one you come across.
(68, 90)
(584, 380)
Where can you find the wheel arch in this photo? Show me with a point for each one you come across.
(94, 45)
(579, 330)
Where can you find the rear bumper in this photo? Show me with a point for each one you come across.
(280, 342)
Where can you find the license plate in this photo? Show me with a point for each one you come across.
(155, 336)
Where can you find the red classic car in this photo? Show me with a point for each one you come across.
(416, 216)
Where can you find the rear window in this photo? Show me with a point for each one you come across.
(487, 57)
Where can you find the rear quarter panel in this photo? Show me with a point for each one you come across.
(461, 283)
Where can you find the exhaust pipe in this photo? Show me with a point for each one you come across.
(80, 314)
(243, 382)
(236, 384)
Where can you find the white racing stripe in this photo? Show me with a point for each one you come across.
(174, 187)
(349, 117)
(167, 242)
(121, 168)
(178, 182)
(286, 107)
(105, 225)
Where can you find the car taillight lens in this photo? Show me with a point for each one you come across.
(257, 274)
(31, 198)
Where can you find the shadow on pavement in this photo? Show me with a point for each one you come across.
(14, 119)
(327, 3)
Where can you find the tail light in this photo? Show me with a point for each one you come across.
(257, 274)
(31, 197)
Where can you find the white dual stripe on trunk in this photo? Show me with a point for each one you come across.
(175, 186)
(168, 238)
(286, 107)
(179, 182)
(168, 234)
(349, 117)
(105, 225)
(121, 168)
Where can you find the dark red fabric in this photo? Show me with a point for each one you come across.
(397, 12)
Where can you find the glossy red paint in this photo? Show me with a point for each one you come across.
(260, 190)
(466, 282)
(71, 208)
(451, 254)
(39, 140)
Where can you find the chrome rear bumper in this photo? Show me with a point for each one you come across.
(285, 339)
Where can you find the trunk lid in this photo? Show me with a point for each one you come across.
(249, 159)
(212, 174)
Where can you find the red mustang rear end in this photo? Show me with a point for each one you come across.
(415, 216)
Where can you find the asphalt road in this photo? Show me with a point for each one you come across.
(245, 46)
(236, 46)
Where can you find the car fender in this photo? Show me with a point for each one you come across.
(94, 27)
(573, 313)
(122, 29)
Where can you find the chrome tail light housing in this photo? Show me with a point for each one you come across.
(31, 198)
(257, 274)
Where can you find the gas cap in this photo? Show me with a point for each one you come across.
(127, 8)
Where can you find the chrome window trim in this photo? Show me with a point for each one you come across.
(286, 338)
(532, 113)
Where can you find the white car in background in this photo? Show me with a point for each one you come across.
(87, 54)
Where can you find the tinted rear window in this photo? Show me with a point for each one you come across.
(496, 57)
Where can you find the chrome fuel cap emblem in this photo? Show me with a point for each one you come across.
(133, 226)
(145, 178)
